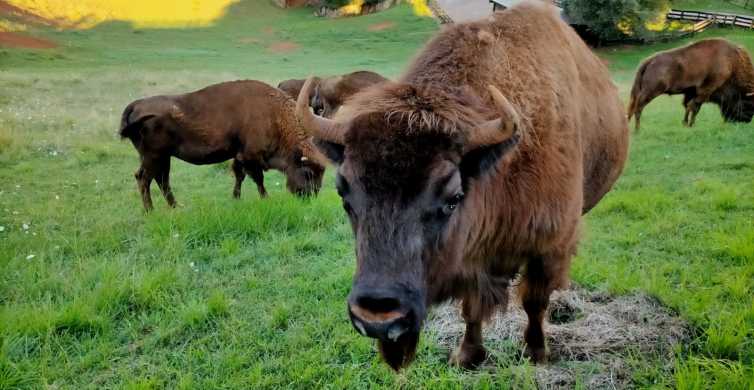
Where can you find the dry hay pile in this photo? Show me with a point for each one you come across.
(584, 329)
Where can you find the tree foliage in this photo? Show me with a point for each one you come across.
(617, 19)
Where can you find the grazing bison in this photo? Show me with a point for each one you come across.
(293, 87)
(474, 167)
(247, 121)
(330, 93)
(712, 70)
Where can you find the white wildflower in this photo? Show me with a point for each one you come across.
(30, 257)
(191, 264)
(2, 228)
(25, 226)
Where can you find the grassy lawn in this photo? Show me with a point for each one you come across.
(742, 7)
(251, 294)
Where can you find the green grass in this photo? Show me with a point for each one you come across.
(741, 7)
(251, 294)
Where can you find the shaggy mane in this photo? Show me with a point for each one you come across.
(412, 110)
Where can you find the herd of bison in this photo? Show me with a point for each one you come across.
(473, 167)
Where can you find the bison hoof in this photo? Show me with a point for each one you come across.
(537, 355)
(468, 357)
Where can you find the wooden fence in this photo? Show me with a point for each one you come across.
(742, 21)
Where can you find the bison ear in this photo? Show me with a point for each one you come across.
(334, 152)
(480, 160)
(492, 140)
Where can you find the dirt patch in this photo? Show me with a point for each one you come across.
(269, 30)
(283, 47)
(585, 329)
(11, 39)
(381, 26)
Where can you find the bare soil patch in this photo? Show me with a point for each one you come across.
(585, 329)
(11, 39)
(283, 47)
(269, 30)
(381, 26)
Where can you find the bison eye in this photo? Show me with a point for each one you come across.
(451, 204)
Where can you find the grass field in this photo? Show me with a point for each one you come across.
(741, 7)
(251, 294)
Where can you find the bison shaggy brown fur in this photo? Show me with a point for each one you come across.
(293, 86)
(332, 92)
(247, 121)
(474, 167)
(711, 70)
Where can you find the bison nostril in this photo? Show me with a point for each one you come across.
(379, 305)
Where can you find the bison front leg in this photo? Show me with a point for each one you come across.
(471, 353)
(256, 173)
(695, 105)
(543, 275)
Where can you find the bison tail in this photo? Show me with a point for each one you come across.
(126, 131)
(636, 90)
(130, 127)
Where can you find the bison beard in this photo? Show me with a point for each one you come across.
(400, 353)
(735, 105)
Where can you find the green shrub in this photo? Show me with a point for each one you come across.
(613, 20)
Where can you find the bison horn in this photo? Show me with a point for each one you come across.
(497, 130)
(304, 159)
(750, 94)
(322, 128)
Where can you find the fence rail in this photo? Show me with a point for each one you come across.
(742, 21)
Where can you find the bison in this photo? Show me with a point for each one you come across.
(711, 70)
(474, 167)
(247, 121)
(330, 93)
(293, 87)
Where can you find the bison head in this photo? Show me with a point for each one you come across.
(735, 101)
(407, 159)
(304, 174)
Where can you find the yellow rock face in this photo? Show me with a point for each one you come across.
(142, 13)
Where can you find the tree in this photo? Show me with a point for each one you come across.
(616, 19)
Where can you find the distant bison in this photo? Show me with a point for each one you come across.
(247, 121)
(474, 167)
(330, 93)
(293, 87)
(713, 70)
